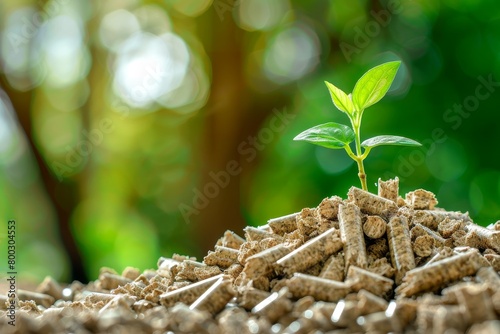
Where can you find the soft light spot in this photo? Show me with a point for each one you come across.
(261, 14)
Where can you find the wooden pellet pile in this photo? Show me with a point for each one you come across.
(369, 263)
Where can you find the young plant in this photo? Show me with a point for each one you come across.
(369, 89)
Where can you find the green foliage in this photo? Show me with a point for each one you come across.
(369, 89)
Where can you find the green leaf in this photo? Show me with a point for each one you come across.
(340, 99)
(374, 84)
(330, 135)
(389, 140)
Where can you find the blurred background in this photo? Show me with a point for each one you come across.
(131, 129)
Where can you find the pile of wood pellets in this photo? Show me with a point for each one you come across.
(369, 263)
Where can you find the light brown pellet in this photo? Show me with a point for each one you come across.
(370, 303)
(448, 318)
(329, 207)
(494, 260)
(50, 287)
(359, 279)
(302, 285)
(308, 221)
(310, 253)
(382, 267)
(374, 227)
(389, 189)
(274, 306)
(189, 293)
(423, 245)
(352, 236)
(110, 281)
(420, 230)
(231, 240)
(400, 248)
(345, 315)
(215, 298)
(334, 268)
(372, 204)
(449, 226)
(378, 322)
(223, 257)
(377, 249)
(248, 298)
(39, 298)
(262, 264)
(283, 225)
(477, 303)
(421, 199)
(487, 238)
(186, 270)
(485, 327)
(439, 273)
(441, 254)
(432, 218)
(490, 276)
(258, 234)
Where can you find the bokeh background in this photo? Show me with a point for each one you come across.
(131, 129)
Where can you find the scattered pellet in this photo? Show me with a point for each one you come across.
(345, 315)
(334, 268)
(186, 270)
(111, 281)
(248, 298)
(308, 222)
(189, 293)
(438, 273)
(486, 238)
(223, 257)
(374, 227)
(216, 297)
(382, 267)
(370, 303)
(447, 318)
(485, 327)
(400, 248)
(234, 270)
(39, 298)
(389, 189)
(421, 230)
(423, 245)
(421, 199)
(372, 204)
(490, 276)
(494, 260)
(352, 236)
(50, 287)
(449, 226)
(258, 234)
(231, 320)
(302, 285)
(263, 263)
(310, 253)
(283, 225)
(359, 279)
(274, 306)
(378, 248)
(432, 218)
(329, 207)
(477, 303)
(230, 240)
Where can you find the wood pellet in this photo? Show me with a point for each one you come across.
(368, 263)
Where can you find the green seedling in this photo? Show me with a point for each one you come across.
(369, 89)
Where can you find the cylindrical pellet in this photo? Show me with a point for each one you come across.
(274, 306)
(310, 253)
(215, 298)
(421, 199)
(372, 204)
(334, 268)
(400, 248)
(374, 227)
(389, 189)
(302, 285)
(262, 264)
(352, 236)
(223, 257)
(189, 293)
(437, 274)
(363, 279)
(283, 225)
